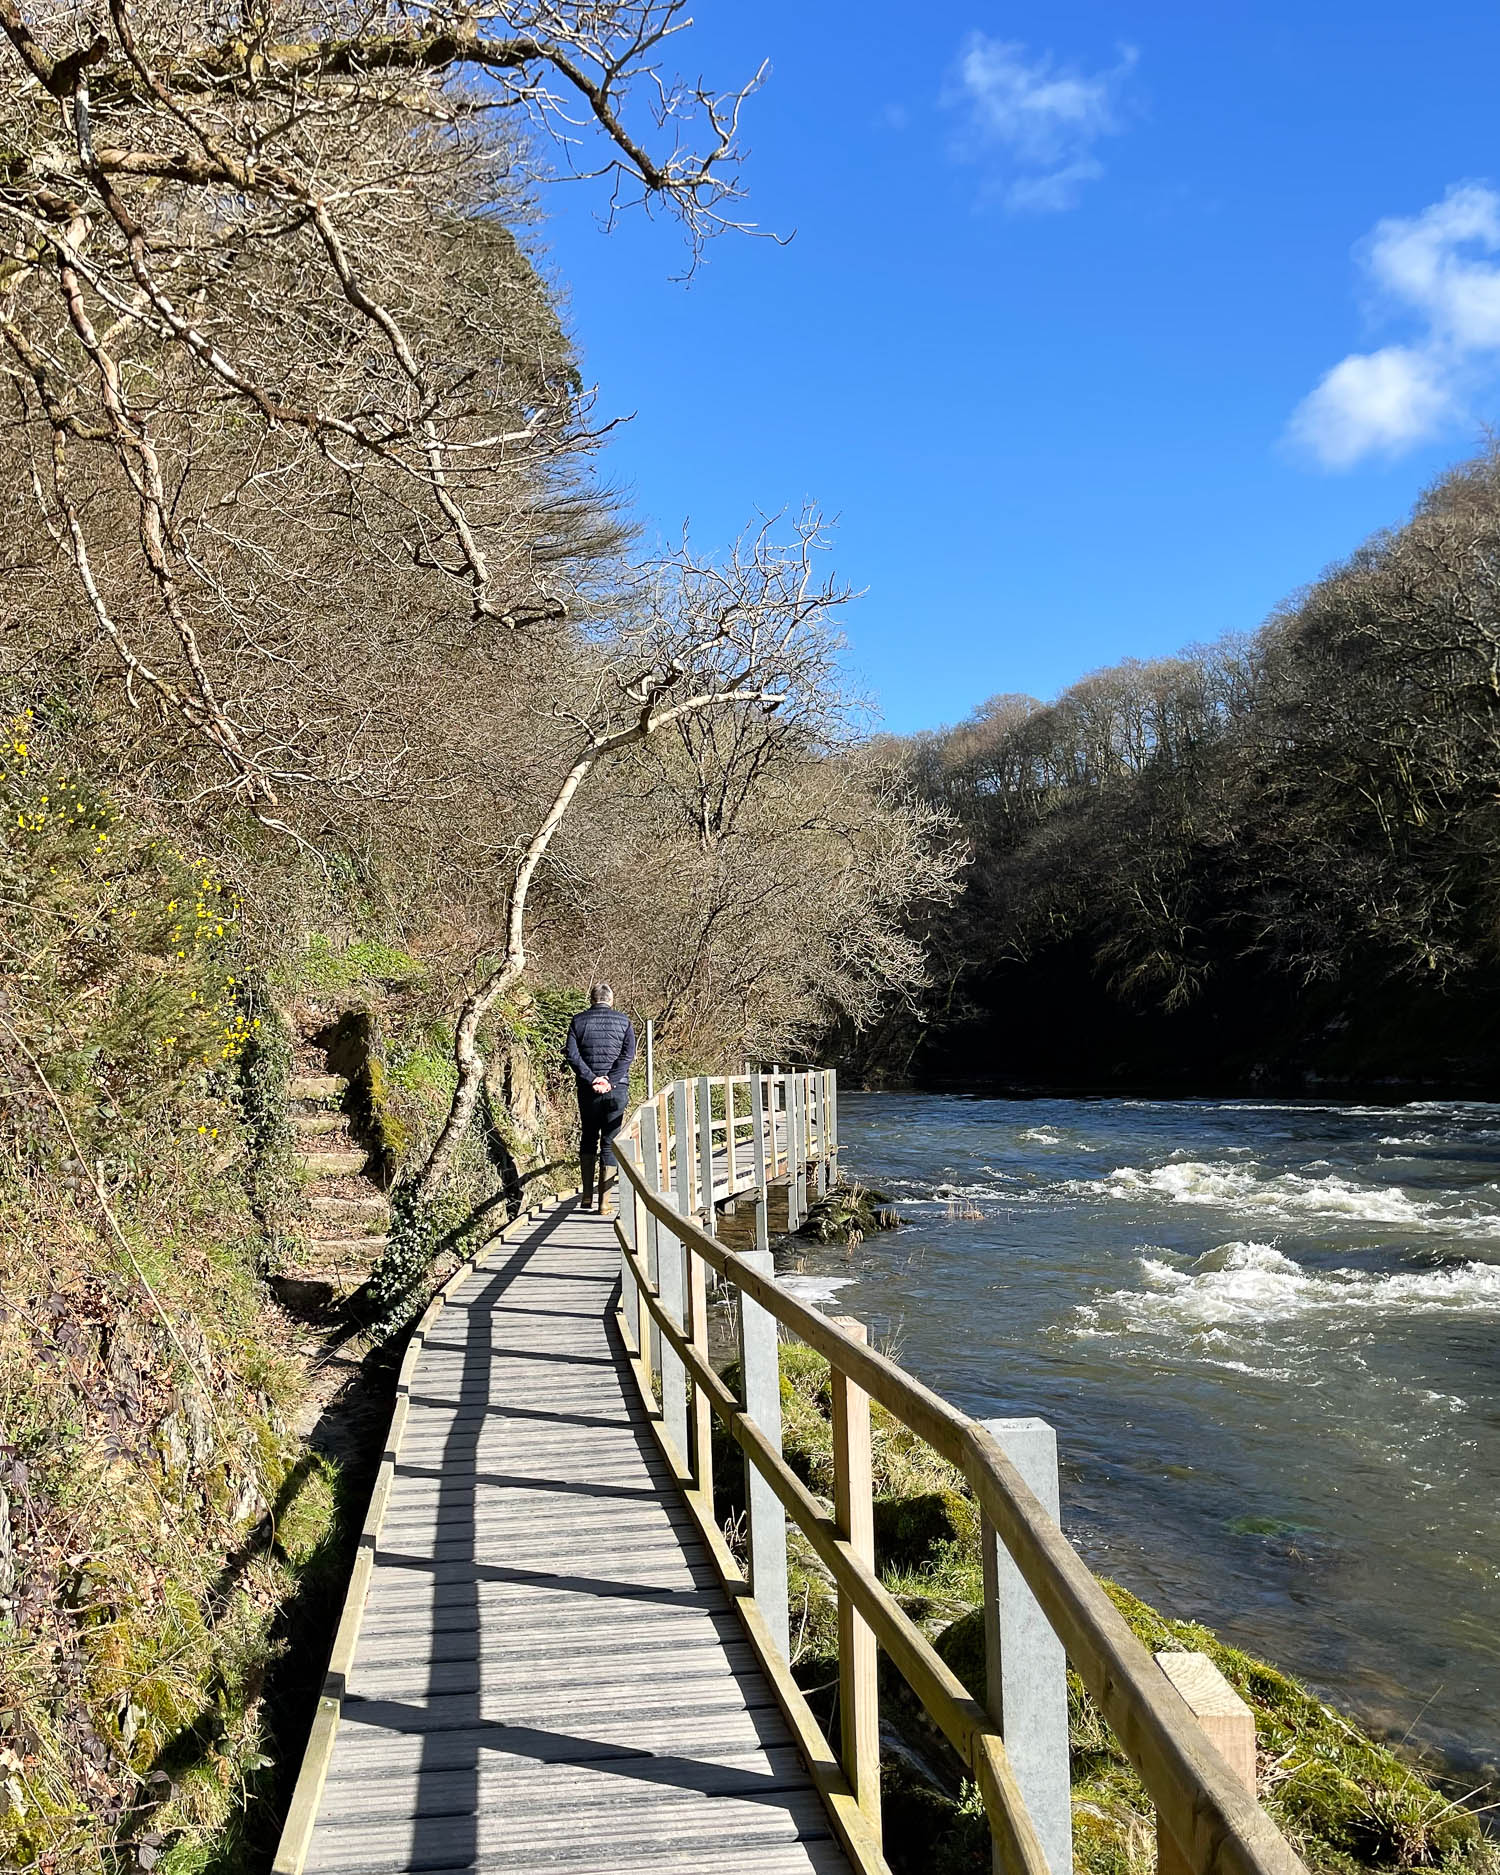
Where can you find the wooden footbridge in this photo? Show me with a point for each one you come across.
(550, 1659)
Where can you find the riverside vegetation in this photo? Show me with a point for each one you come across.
(1344, 1801)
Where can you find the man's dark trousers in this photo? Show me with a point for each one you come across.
(600, 1117)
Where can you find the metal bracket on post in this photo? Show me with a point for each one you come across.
(1026, 1669)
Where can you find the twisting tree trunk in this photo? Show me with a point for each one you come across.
(750, 633)
(466, 1051)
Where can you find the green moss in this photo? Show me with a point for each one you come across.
(912, 1530)
(325, 966)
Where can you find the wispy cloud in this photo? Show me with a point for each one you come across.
(1443, 266)
(1036, 120)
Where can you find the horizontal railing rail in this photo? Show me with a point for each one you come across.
(670, 1155)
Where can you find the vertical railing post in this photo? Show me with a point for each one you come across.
(650, 1059)
(1026, 1670)
(706, 1152)
(703, 1412)
(731, 1095)
(854, 1509)
(1229, 1723)
(625, 1209)
(651, 1171)
(664, 1135)
(670, 1283)
(818, 1086)
(793, 1206)
(760, 1366)
(799, 1144)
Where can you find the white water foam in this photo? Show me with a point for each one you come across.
(1255, 1283)
(815, 1290)
(1042, 1136)
(1288, 1196)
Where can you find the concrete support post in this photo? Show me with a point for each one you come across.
(706, 1152)
(672, 1276)
(1025, 1666)
(630, 1296)
(760, 1365)
(651, 1169)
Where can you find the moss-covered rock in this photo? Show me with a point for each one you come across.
(911, 1530)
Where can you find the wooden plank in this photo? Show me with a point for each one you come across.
(297, 1831)
(547, 1673)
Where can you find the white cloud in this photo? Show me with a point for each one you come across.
(1443, 267)
(1042, 119)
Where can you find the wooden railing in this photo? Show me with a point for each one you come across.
(726, 1136)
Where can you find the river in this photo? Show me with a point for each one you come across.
(1268, 1336)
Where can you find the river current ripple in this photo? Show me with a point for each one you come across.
(1268, 1336)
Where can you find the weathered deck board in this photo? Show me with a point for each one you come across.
(548, 1674)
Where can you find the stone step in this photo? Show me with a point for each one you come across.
(348, 1246)
(331, 1202)
(319, 1163)
(317, 1086)
(318, 1122)
(304, 1296)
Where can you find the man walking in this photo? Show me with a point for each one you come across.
(601, 1047)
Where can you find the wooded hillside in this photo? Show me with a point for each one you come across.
(1264, 862)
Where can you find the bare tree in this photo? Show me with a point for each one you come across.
(750, 633)
(227, 273)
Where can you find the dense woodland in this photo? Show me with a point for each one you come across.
(1270, 862)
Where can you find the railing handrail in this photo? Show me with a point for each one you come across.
(1219, 1826)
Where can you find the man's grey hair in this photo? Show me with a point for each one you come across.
(601, 993)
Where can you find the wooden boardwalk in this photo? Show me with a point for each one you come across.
(548, 1675)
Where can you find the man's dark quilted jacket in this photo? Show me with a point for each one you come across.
(601, 1040)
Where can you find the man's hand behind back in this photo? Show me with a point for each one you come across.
(599, 1084)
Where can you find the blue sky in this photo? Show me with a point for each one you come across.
(1102, 330)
